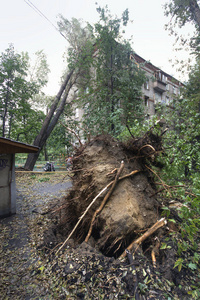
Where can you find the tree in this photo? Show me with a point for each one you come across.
(51, 120)
(193, 87)
(78, 52)
(13, 69)
(186, 133)
(110, 89)
(117, 88)
(183, 12)
(16, 90)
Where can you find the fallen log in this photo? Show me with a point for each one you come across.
(143, 237)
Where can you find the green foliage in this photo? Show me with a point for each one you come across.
(58, 143)
(182, 168)
(182, 12)
(179, 264)
(113, 97)
(81, 41)
(183, 138)
(109, 82)
(44, 179)
(17, 88)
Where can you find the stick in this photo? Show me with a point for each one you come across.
(72, 131)
(153, 257)
(104, 201)
(101, 192)
(149, 232)
(163, 184)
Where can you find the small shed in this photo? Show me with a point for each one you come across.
(8, 148)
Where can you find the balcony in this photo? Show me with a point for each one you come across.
(159, 86)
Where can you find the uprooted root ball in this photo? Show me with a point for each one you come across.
(130, 209)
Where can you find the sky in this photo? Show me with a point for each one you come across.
(28, 31)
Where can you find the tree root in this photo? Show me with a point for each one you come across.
(149, 232)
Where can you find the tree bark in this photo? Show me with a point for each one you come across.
(5, 111)
(195, 11)
(50, 120)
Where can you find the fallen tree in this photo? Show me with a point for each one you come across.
(51, 119)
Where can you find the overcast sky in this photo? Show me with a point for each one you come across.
(22, 26)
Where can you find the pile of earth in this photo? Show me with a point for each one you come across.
(130, 209)
(95, 269)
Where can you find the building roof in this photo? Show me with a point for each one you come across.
(153, 68)
(10, 146)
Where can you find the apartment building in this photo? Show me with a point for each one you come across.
(159, 87)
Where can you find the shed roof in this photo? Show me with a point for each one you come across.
(10, 146)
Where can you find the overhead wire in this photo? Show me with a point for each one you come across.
(40, 13)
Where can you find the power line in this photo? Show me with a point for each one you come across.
(42, 15)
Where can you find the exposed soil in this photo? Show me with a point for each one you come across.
(131, 208)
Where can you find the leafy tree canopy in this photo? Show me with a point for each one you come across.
(183, 12)
(109, 84)
(18, 84)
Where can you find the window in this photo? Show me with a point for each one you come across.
(167, 100)
(160, 76)
(146, 101)
(164, 78)
(146, 84)
(158, 98)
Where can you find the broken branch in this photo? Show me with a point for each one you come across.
(149, 232)
(72, 131)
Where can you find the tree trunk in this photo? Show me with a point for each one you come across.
(5, 111)
(195, 10)
(46, 158)
(50, 121)
(10, 124)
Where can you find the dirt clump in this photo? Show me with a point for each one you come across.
(131, 208)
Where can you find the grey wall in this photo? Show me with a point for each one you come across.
(7, 185)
